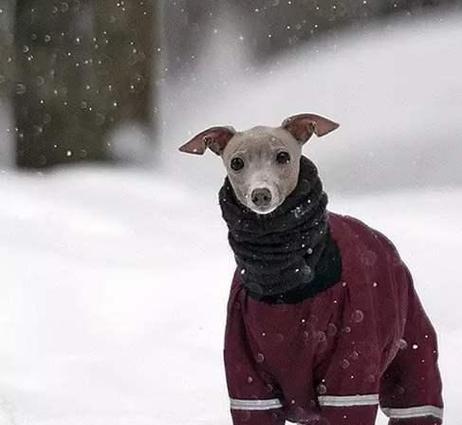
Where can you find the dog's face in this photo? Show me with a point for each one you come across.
(262, 163)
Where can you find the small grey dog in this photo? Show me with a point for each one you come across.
(324, 323)
(260, 182)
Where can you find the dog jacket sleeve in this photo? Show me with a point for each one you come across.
(253, 399)
(411, 386)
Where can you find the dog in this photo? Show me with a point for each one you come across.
(324, 324)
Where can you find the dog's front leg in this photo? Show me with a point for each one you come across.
(255, 417)
(254, 396)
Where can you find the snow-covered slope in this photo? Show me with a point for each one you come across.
(114, 287)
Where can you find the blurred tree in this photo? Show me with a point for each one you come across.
(82, 67)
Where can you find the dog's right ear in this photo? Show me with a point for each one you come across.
(215, 138)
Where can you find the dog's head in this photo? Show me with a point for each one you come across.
(262, 163)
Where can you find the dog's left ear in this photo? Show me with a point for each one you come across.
(303, 126)
(215, 138)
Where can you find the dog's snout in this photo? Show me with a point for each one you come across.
(261, 197)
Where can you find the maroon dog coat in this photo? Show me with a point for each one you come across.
(333, 358)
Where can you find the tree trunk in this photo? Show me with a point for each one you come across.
(83, 67)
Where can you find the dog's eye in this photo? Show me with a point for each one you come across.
(237, 164)
(283, 157)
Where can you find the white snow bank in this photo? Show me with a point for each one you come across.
(114, 288)
(396, 91)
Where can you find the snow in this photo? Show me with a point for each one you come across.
(99, 317)
(115, 280)
(114, 288)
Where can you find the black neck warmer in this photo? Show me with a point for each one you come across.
(288, 254)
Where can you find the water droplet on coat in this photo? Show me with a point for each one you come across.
(370, 378)
(345, 364)
(402, 344)
(260, 358)
(322, 389)
(278, 338)
(357, 316)
(354, 355)
(322, 337)
(331, 329)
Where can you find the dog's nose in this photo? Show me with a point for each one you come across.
(261, 197)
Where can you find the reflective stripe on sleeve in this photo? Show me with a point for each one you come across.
(348, 400)
(238, 404)
(413, 412)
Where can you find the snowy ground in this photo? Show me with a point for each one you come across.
(114, 285)
(114, 282)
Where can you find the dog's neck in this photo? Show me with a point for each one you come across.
(288, 253)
